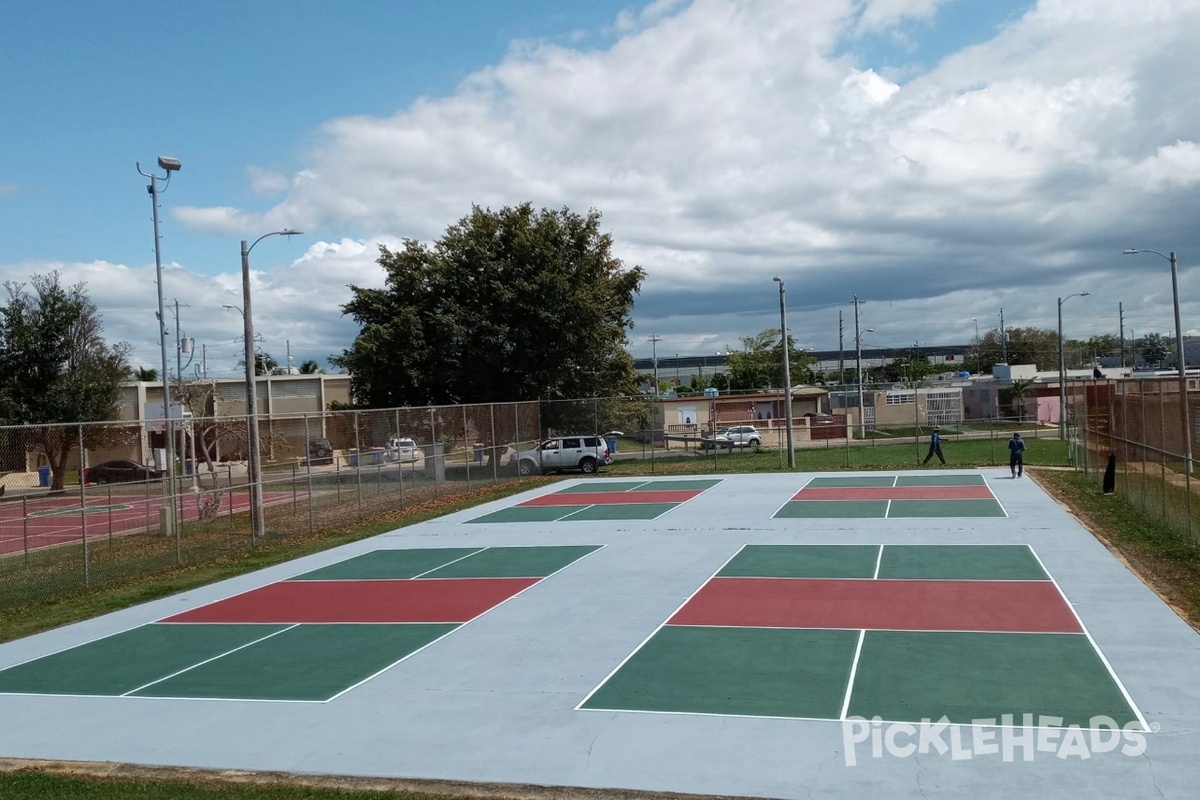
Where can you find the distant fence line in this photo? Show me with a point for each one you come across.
(53, 543)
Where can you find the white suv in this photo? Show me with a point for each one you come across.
(584, 453)
(399, 448)
(735, 436)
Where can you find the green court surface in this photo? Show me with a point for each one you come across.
(981, 562)
(945, 508)
(105, 666)
(833, 509)
(867, 481)
(388, 564)
(745, 666)
(253, 646)
(907, 675)
(304, 662)
(887, 509)
(748, 671)
(513, 562)
(530, 514)
(987, 562)
(610, 504)
(810, 561)
(939, 495)
(607, 486)
(616, 512)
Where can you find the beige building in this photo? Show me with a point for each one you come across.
(283, 404)
(697, 415)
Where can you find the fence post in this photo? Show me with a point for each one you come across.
(87, 576)
(433, 446)
(358, 457)
(308, 464)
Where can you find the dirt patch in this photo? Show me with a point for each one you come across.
(113, 771)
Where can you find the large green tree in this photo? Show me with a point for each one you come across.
(1025, 346)
(1154, 349)
(56, 369)
(514, 304)
(759, 364)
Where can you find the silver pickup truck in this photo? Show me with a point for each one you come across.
(582, 452)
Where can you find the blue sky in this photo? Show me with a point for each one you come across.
(941, 159)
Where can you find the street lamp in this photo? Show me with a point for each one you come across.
(167, 165)
(253, 464)
(1062, 369)
(862, 412)
(787, 372)
(1185, 412)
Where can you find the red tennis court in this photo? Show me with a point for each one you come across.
(894, 493)
(880, 604)
(424, 600)
(612, 498)
(34, 523)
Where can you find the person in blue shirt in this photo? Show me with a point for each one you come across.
(935, 445)
(1016, 455)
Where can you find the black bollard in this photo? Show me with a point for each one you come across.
(1110, 474)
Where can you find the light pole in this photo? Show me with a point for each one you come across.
(787, 373)
(1185, 412)
(168, 165)
(253, 464)
(1062, 369)
(862, 411)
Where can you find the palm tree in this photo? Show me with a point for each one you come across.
(310, 367)
(1015, 394)
(145, 374)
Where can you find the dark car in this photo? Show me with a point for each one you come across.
(120, 472)
(320, 451)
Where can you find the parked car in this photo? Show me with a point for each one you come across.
(582, 452)
(120, 472)
(731, 437)
(320, 451)
(402, 449)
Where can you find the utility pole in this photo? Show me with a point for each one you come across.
(1003, 339)
(1121, 314)
(289, 356)
(841, 353)
(858, 376)
(654, 340)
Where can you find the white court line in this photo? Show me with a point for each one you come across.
(461, 625)
(654, 632)
(1124, 692)
(878, 562)
(210, 660)
(443, 566)
(853, 671)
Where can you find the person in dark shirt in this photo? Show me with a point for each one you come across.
(935, 445)
(1016, 455)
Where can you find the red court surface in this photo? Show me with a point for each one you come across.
(881, 604)
(894, 493)
(48, 521)
(421, 600)
(612, 498)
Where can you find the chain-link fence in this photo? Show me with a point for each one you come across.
(69, 523)
(64, 528)
(1136, 437)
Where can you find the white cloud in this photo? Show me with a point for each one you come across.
(8, 188)
(728, 142)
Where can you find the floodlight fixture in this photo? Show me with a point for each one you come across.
(169, 164)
